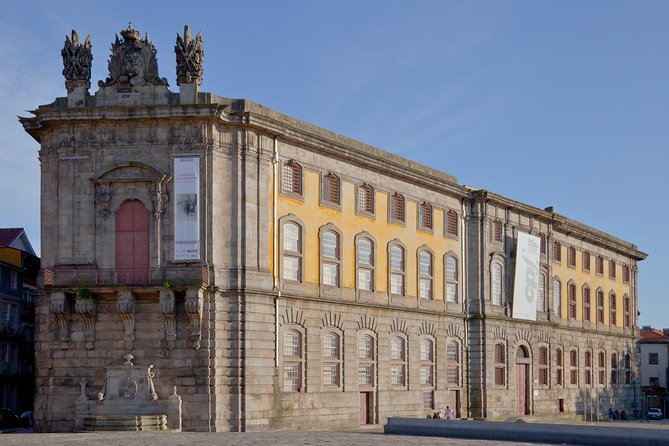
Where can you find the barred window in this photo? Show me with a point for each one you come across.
(425, 216)
(428, 400)
(453, 363)
(600, 307)
(627, 319)
(612, 269)
(541, 293)
(397, 362)
(614, 369)
(558, 367)
(588, 368)
(586, 304)
(331, 258)
(292, 251)
(331, 189)
(612, 304)
(331, 360)
(543, 366)
(571, 256)
(557, 297)
(573, 367)
(397, 208)
(451, 279)
(366, 361)
(365, 258)
(500, 365)
(292, 361)
(496, 231)
(628, 369)
(452, 223)
(571, 288)
(626, 273)
(397, 270)
(557, 251)
(601, 363)
(424, 274)
(586, 261)
(599, 264)
(366, 199)
(291, 181)
(496, 284)
(426, 362)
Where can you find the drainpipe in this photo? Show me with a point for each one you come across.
(465, 298)
(275, 263)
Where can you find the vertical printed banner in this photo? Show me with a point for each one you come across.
(526, 281)
(186, 209)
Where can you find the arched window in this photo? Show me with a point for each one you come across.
(588, 368)
(331, 360)
(451, 279)
(452, 223)
(331, 191)
(573, 367)
(614, 369)
(398, 361)
(626, 273)
(292, 361)
(628, 369)
(612, 269)
(541, 293)
(601, 368)
(366, 199)
(397, 214)
(558, 366)
(599, 265)
(425, 216)
(557, 297)
(331, 258)
(571, 288)
(600, 306)
(586, 261)
(571, 256)
(613, 305)
(500, 365)
(292, 251)
(365, 259)
(627, 319)
(453, 363)
(542, 243)
(291, 181)
(586, 304)
(496, 231)
(397, 269)
(496, 284)
(543, 366)
(366, 361)
(424, 274)
(557, 251)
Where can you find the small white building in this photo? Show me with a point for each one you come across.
(654, 357)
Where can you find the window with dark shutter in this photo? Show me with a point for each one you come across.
(557, 251)
(397, 208)
(331, 194)
(291, 181)
(452, 223)
(366, 199)
(425, 216)
(571, 256)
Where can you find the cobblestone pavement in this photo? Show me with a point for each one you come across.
(361, 437)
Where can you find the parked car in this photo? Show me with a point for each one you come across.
(654, 414)
(8, 418)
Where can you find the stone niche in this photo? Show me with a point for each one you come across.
(127, 402)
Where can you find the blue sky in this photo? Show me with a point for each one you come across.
(561, 104)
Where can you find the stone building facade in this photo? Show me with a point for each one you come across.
(282, 276)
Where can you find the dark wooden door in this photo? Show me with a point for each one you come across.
(522, 384)
(132, 243)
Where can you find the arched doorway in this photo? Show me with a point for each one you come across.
(522, 381)
(132, 243)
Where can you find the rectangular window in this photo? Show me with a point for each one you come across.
(330, 274)
(291, 377)
(653, 381)
(600, 265)
(612, 269)
(397, 284)
(397, 375)
(366, 375)
(425, 288)
(428, 400)
(652, 358)
(364, 279)
(499, 376)
(453, 375)
(291, 268)
(451, 292)
(14, 281)
(426, 375)
(586, 261)
(330, 374)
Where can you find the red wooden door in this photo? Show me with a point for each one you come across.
(455, 403)
(521, 383)
(132, 243)
(365, 407)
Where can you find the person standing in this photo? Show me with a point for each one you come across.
(449, 413)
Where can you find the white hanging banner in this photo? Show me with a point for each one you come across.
(186, 209)
(526, 281)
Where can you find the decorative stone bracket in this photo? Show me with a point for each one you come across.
(194, 300)
(126, 309)
(168, 308)
(57, 308)
(86, 309)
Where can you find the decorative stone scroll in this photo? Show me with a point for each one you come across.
(133, 61)
(168, 308)
(194, 300)
(57, 306)
(126, 309)
(86, 308)
(77, 62)
(189, 58)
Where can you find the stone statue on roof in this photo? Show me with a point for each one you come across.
(189, 58)
(77, 62)
(133, 61)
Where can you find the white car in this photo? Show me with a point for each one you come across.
(654, 414)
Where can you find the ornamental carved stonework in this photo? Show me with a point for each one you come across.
(189, 58)
(133, 61)
(77, 62)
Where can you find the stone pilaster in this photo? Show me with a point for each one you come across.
(126, 309)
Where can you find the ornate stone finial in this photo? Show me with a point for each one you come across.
(77, 62)
(133, 61)
(128, 359)
(189, 58)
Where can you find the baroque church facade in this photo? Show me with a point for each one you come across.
(276, 275)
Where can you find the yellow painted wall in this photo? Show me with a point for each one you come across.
(314, 216)
(11, 256)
